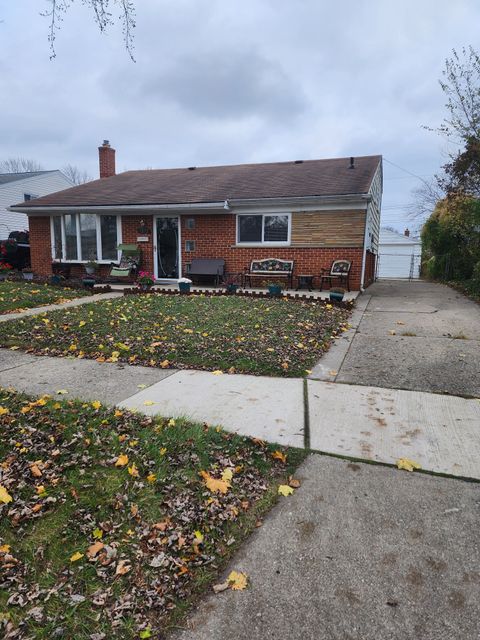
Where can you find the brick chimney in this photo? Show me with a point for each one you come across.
(106, 158)
(405, 233)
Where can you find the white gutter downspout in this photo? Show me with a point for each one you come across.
(364, 257)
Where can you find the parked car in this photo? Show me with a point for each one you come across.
(16, 249)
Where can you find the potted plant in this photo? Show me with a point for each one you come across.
(145, 280)
(275, 288)
(337, 294)
(231, 285)
(5, 269)
(27, 273)
(91, 267)
(184, 285)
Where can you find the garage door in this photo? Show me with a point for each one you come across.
(398, 265)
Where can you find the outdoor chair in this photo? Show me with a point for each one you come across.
(128, 265)
(339, 271)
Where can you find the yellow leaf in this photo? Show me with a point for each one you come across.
(5, 497)
(163, 451)
(76, 556)
(408, 465)
(332, 372)
(96, 404)
(62, 392)
(214, 485)
(328, 306)
(217, 372)
(151, 477)
(82, 323)
(148, 403)
(46, 320)
(198, 536)
(164, 364)
(227, 475)
(171, 422)
(133, 471)
(118, 413)
(285, 490)
(5, 548)
(122, 460)
(308, 371)
(41, 490)
(97, 534)
(4, 411)
(278, 455)
(237, 580)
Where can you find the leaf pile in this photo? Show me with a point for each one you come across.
(110, 522)
(277, 337)
(17, 296)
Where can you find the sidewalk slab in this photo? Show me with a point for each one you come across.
(268, 408)
(83, 379)
(441, 433)
(358, 552)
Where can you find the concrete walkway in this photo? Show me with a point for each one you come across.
(359, 552)
(418, 335)
(439, 432)
(63, 305)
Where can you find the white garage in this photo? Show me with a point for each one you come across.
(399, 255)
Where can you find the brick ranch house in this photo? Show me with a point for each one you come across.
(312, 212)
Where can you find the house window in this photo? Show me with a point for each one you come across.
(189, 245)
(263, 229)
(190, 223)
(85, 236)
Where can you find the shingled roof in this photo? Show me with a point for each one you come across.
(331, 177)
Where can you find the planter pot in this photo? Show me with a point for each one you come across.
(146, 287)
(28, 275)
(3, 276)
(336, 296)
(232, 288)
(184, 287)
(274, 290)
(90, 271)
(89, 283)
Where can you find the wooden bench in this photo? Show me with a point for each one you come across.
(207, 267)
(271, 268)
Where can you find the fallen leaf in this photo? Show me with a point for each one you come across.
(164, 364)
(400, 322)
(227, 475)
(293, 482)
(97, 534)
(5, 548)
(408, 465)
(122, 460)
(278, 455)
(133, 471)
(214, 485)
(94, 548)
(237, 581)
(218, 588)
(285, 490)
(392, 332)
(151, 477)
(217, 372)
(148, 403)
(332, 372)
(35, 471)
(96, 404)
(198, 537)
(146, 633)
(76, 556)
(122, 568)
(5, 497)
(62, 392)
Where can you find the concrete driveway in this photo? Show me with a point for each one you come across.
(416, 335)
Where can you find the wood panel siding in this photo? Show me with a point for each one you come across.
(328, 228)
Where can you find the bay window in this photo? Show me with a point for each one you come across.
(266, 228)
(81, 237)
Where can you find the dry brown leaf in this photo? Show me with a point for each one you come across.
(94, 548)
(218, 588)
(35, 471)
(278, 455)
(293, 482)
(122, 568)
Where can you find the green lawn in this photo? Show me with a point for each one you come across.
(277, 337)
(16, 296)
(109, 522)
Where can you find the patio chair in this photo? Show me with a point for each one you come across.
(339, 270)
(129, 262)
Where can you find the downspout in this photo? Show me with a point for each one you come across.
(364, 257)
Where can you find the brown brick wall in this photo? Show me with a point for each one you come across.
(40, 245)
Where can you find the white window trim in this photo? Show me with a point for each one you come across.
(99, 260)
(262, 242)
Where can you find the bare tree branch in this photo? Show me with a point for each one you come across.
(102, 16)
(19, 165)
(76, 175)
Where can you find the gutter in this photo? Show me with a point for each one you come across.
(348, 198)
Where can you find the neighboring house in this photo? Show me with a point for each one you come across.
(15, 187)
(399, 255)
(312, 212)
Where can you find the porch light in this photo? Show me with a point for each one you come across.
(226, 205)
(142, 228)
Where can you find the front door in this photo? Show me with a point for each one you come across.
(167, 259)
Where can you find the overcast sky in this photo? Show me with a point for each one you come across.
(233, 81)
